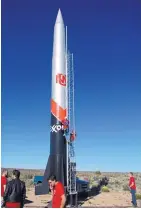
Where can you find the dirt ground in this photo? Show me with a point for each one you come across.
(36, 201)
(111, 199)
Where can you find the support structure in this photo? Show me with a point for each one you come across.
(71, 161)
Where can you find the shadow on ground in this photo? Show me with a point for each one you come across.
(95, 190)
(28, 201)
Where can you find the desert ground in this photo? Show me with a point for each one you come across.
(118, 194)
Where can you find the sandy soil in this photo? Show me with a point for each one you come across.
(36, 201)
(111, 199)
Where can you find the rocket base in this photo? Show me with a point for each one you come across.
(55, 166)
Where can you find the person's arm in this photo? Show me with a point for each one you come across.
(63, 201)
(4, 184)
(51, 190)
(23, 195)
(131, 183)
(5, 197)
(4, 187)
(63, 197)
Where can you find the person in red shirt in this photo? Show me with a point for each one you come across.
(3, 182)
(58, 197)
(132, 186)
(3, 185)
(72, 136)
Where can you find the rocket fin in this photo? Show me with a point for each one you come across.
(55, 166)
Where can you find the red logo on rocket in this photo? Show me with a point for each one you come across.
(61, 79)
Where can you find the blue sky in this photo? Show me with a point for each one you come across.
(105, 37)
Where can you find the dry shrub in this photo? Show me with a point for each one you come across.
(105, 189)
(27, 176)
(98, 173)
(126, 187)
(117, 182)
(29, 183)
(94, 184)
(138, 196)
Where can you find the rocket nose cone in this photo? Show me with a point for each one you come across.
(59, 18)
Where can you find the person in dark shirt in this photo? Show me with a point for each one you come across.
(132, 186)
(15, 192)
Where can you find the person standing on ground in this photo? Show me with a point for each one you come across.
(3, 184)
(15, 192)
(132, 186)
(58, 197)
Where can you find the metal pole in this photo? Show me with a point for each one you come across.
(67, 99)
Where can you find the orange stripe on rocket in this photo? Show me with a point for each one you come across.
(58, 111)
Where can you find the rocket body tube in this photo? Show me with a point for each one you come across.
(57, 159)
(58, 100)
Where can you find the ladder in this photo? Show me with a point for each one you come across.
(71, 161)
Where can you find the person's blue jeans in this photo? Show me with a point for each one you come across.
(133, 193)
(66, 132)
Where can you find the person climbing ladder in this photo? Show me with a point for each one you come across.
(65, 124)
(72, 136)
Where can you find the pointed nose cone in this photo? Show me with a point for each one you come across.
(59, 18)
(59, 61)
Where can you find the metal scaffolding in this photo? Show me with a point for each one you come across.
(71, 161)
(71, 174)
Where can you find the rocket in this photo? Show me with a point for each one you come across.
(57, 162)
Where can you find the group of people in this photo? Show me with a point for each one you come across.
(65, 124)
(59, 198)
(13, 193)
